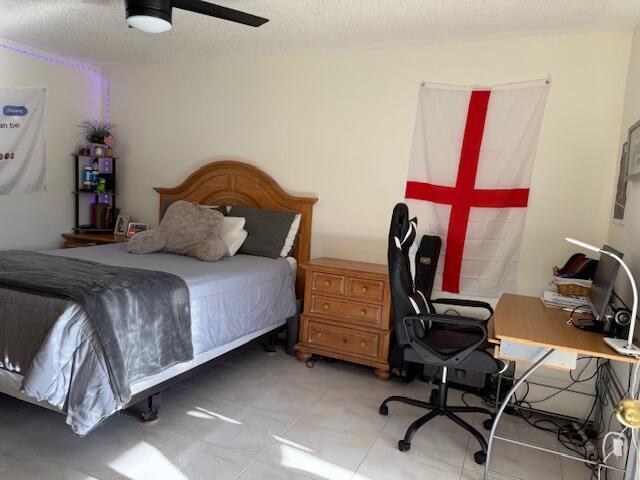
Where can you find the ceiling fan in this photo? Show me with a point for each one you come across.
(154, 16)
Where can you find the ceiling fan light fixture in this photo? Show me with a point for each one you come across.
(154, 16)
(148, 24)
(150, 16)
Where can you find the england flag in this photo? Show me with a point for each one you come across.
(471, 161)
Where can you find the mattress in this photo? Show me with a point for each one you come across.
(232, 301)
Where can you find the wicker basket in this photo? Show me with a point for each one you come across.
(573, 289)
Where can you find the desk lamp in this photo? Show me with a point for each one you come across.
(628, 409)
(622, 346)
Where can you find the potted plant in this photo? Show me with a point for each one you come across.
(95, 132)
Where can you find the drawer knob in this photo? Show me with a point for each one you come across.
(363, 312)
(364, 289)
(325, 306)
(319, 335)
(327, 283)
(363, 344)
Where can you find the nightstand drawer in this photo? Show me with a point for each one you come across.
(367, 290)
(343, 339)
(347, 310)
(328, 283)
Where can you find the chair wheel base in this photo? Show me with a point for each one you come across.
(480, 457)
(488, 424)
(383, 410)
(403, 446)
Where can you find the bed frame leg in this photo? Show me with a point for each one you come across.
(153, 404)
(272, 341)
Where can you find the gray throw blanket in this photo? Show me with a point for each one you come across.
(141, 317)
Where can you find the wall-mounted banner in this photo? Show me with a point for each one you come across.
(469, 175)
(23, 161)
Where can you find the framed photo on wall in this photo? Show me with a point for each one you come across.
(621, 187)
(634, 151)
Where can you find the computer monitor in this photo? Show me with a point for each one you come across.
(603, 282)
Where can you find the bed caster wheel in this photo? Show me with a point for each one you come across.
(480, 457)
(488, 424)
(149, 417)
(403, 445)
(383, 410)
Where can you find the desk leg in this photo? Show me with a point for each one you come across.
(543, 357)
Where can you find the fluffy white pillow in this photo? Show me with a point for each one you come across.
(291, 236)
(234, 240)
(232, 224)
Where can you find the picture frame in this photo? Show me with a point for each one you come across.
(620, 199)
(634, 152)
(122, 225)
(135, 227)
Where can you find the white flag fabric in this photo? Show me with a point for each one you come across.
(23, 162)
(468, 182)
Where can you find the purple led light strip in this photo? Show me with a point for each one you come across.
(70, 64)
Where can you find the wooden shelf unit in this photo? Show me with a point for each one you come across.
(78, 191)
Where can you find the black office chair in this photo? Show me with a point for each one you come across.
(428, 338)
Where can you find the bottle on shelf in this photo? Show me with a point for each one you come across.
(87, 178)
(96, 171)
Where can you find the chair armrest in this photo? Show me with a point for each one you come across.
(459, 302)
(431, 355)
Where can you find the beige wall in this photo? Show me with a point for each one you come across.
(35, 220)
(625, 235)
(338, 123)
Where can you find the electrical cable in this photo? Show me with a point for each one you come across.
(567, 434)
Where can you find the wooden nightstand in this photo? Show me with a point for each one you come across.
(346, 314)
(74, 240)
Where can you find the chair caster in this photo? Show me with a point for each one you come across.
(383, 410)
(403, 446)
(488, 424)
(480, 457)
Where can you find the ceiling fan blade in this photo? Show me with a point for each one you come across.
(218, 11)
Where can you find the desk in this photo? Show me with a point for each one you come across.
(526, 321)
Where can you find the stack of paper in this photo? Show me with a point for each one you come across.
(554, 299)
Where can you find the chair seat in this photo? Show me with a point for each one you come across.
(481, 361)
(450, 340)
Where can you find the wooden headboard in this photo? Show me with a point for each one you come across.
(231, 183)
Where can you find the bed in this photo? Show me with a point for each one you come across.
(233, 301)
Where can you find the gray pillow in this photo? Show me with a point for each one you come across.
(268, 230)
(148, 241)
(186, 229)
(193, 230)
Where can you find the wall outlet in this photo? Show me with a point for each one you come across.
(618, 446)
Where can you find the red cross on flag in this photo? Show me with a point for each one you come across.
(469, 175)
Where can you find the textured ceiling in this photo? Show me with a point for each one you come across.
(95, 30)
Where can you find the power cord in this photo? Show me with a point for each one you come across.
(567, 434)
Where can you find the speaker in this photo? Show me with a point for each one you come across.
(620, 323)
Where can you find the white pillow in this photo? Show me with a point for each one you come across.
(234, 240)
(232, 224)
(291, 236)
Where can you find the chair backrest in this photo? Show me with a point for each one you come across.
(405, 299)
(427, 264)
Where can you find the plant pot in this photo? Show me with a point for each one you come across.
(98, 149)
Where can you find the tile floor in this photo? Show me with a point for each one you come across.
(267, 416)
